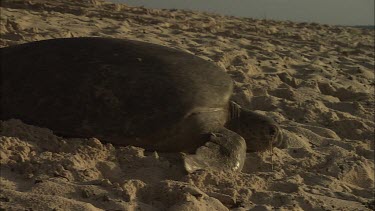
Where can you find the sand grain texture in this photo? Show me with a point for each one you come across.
(316, 80)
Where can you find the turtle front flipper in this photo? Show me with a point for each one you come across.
(225, 150)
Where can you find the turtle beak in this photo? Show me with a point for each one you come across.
(278, 140)
(274, 134)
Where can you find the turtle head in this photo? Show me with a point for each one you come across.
(261, 133)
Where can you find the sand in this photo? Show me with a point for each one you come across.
(316, 81)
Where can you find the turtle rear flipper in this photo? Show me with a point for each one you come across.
(226, 150)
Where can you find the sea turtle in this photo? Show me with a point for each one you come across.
(132, 93)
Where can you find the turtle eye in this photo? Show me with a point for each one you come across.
(273, 130)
